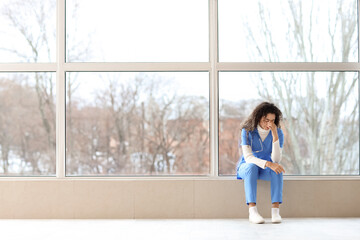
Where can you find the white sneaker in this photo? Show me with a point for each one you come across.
(275, 215)
(254, 216)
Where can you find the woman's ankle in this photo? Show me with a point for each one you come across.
(252, 205)
(275, 205)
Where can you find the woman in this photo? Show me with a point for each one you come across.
(261, 143)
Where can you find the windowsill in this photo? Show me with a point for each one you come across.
(175, 178)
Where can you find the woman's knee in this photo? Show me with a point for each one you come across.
(251, 169)
(275, 175)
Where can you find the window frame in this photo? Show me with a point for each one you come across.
(213, 66)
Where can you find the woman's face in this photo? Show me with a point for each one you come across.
(267, 121)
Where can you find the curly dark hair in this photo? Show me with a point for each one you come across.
(251, 123)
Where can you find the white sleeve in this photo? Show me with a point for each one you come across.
(250, 158)
(276, 152)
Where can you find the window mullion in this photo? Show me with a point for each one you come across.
(213, 29)
(60, 90)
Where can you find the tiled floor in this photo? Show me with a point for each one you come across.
(199, 229)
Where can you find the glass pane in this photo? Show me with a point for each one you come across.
(27, 31)
(137, 31)
(27, 124)
(321, 118)
(288, 31)
(133, 123)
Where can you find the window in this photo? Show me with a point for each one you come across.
(288, 31)
(160, 87)
(131, 123)
(321, 118)
(137, 31)
(27, 124)
(27, 31)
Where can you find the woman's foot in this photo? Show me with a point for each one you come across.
(254, 216)
(275, 215)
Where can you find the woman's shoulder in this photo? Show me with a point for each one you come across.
(247, 132)
(243, 130)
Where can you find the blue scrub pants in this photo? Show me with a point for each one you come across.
(250, 172)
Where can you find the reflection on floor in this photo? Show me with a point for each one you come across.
(171, 229)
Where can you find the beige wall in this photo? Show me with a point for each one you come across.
(189, 198)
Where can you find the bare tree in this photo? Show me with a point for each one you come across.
(315, 125)
(34, 22)
(138, 126)
(31, 20)
(177, 134)
(21, 132)
(231, 114)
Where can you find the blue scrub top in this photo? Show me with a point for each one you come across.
(261, 149)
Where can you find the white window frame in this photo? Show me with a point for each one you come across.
(213, 67)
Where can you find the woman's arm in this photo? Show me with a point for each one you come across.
(250, 158)
(276, 149)
(276, 152)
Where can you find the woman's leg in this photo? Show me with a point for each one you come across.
(276, 184)
(250, 172)
(276, 189)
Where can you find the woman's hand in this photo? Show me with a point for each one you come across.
(277, 168)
